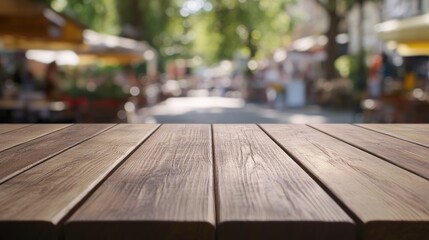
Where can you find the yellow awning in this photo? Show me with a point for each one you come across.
(408, 49)
(26, 25)
(109, 59)
(405, 30)
(409, 37)
(100, 48)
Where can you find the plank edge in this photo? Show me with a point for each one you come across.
(291, 229)
(26, 229)
(396, 230)
(136, 229)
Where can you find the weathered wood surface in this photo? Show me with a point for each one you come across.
(24, 156)
(417, 133)
(34, 202)
(163, 191)
(263, 194)
(21, 135)
(404, 154)
(10, 127)
(391, 202)
(222, 182)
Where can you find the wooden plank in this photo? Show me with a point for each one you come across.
(21, 135)
(263, 194)
(10, 127)
(391, 202)
(34, 202)
(17, 159)
(417, 133)
(163, 191)
(404, 154)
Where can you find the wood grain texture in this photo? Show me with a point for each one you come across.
(163, 191)
(21, 135)
(391, 202)
(10, 127)
(412, 157)
(39, 198)
(417, 133)
(263, 194)
(24, 156)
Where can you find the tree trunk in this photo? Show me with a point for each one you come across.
(252, 95)
(252, 51)
(332, 46)
(137, 20)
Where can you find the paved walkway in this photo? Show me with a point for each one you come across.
(231, 110)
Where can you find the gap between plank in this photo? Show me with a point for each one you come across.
(17, 128)
(392, 136)
(369, 152)
(352, 215)
(215, 182)
(42, 135)
(7, 178)
(59, 226)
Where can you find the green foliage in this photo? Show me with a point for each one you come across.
(156, 22)
(219, 29)
(344, 65)
(251, 28)
(100, 15)
(355, 72)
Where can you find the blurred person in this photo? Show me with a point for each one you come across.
(52, 89)
(16, 75)
(3, 78)
(295, 95)
(28, 81)
(275, 88)
(136, 87)
(409, 81)
(24, 79)
(310, 80)
(375, 78)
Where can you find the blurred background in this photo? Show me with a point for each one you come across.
(214, 61)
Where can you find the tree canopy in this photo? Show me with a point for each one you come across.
(211, 29)
(251, 28)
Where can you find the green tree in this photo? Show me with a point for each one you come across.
(217, 30)
(336, 11)
(253, 27)
(157, 23)
(141, 20)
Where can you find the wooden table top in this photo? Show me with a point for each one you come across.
(239, 181)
